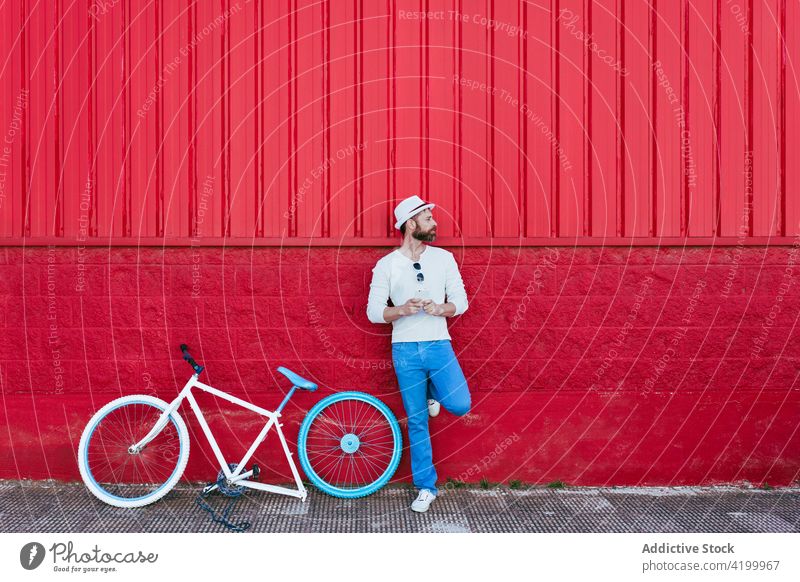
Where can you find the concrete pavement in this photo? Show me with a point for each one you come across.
(47, 506)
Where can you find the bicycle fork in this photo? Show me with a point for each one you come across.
(162, 421)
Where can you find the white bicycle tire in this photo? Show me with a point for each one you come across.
(88, 480)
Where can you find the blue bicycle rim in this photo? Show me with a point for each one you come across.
(368, 488)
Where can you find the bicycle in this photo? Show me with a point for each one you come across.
(134, 450)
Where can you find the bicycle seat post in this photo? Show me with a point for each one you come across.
(285, 400)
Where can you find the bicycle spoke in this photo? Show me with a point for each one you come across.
(132, 475)
(376, 466)
(331, 465)
(340, 464)
(339, 423)
(381, 422)
(330, 434)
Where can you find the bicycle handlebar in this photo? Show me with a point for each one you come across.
(186, 356)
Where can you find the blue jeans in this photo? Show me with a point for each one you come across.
(415, 363)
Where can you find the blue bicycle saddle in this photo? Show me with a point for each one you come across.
(296, 380)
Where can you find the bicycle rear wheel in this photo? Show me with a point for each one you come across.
(349, 444)
(123, 478)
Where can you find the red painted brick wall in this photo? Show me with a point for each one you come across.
(594, 366)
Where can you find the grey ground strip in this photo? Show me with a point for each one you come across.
(47, 506)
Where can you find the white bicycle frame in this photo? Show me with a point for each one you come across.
(236, 477)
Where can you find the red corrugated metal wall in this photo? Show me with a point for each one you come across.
(303, 121)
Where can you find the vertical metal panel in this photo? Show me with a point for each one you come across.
(341, 132)
(697, 140)
(735, 156)
(205, 133)
(171, 102)
(667, 114)
(474, 122)
(767, 207)
(603, 72)
(638, 121)
(790, 93)
(309, 134)
(572, 28)
(506, 101)
(375, 116)
(41, 192)
(442, 116)
(539, 122)
(301, 120)
(141, 134)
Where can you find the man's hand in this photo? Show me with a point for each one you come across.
(412, 306)
(441, 309)
(432, 308)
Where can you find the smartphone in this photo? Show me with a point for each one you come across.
(421, 293)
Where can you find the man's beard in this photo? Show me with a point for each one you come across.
(428, 236)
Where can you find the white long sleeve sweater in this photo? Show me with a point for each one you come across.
(395, 277)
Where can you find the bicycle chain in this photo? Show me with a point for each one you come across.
(200, 500)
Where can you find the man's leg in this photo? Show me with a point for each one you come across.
(413, 381)
(431, 390)
(448, 378)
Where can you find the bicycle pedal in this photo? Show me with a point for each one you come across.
(256, 471)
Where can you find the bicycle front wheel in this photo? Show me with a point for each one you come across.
(120, 476)
(349, 444)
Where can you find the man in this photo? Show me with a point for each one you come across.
(417, 278)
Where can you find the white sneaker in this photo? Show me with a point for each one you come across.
(423, 501)
(433, 407)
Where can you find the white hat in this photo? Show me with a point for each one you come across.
(408, 208)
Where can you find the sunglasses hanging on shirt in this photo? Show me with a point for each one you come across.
(420, 276)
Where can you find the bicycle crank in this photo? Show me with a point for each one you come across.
(232, 488)
(228, 487)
